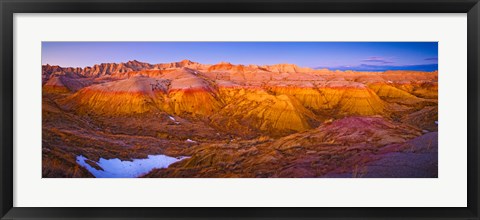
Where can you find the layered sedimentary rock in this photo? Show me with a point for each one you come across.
(65, 84)
(240, 120)
(343, 146)
(141, 94)
(130, 96)
(272, 99)
(55, 85)
(254, 108)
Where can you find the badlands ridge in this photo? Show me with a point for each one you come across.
(241, 120)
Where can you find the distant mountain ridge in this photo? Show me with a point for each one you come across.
(107, 69)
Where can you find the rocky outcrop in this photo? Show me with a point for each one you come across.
(287, 68)
(66, 84)
(341, 147)
(142, 94)
(97, 70)
(241, 120)
(55, 85)
(254, 110)
(246, 99)
(130, 96)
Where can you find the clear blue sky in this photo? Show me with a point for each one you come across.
(334, 55)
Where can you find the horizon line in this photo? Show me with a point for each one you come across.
(367, 68)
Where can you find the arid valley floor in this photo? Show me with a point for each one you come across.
(226, 120)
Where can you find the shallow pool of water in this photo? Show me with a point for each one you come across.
(116, 168)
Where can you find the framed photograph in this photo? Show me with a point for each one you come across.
(239, 109)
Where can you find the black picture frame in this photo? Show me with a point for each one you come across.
(9, 7)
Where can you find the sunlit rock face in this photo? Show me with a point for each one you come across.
(255, 109)
(55, 85)
(333, 147)
(236, 120)
(278, 98)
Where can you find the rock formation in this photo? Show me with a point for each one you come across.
(236, 120)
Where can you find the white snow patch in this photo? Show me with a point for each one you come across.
(116, 168)
(171, 118)
(190, 141)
